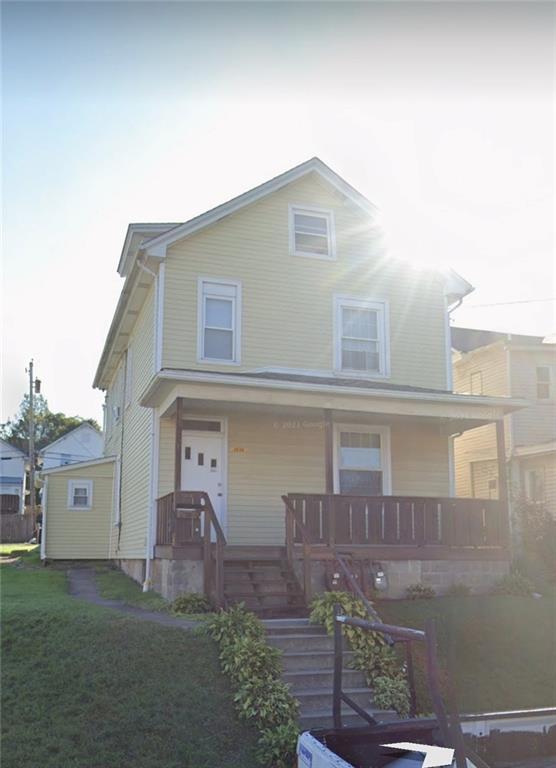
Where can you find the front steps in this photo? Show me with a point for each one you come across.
(308, 669)
(267, 586)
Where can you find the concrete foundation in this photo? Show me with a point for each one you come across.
(478, 575)
(135, 569)
(172, 577)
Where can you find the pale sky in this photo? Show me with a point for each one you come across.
(441, 114)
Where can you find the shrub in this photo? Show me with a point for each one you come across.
(419, 592)
(191, 602)
(371, 654)
(459, 589)
(514, 584)
(255, 674)
(391, 693)
(538, 528)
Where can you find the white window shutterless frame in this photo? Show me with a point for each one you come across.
(80, 494)
(362, 461)
(311, 232)
(219, 321)
(361, 337)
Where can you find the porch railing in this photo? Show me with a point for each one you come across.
(327, 525)
(188, 517)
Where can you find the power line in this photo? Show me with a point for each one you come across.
(507, 303)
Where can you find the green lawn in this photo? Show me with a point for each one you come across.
(500, 650)
(115, 585)
(85, 687)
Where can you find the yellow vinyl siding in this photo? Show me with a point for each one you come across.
(269, 455)
(137, 440)
(537, 423)
(80, 533)
(287, 317)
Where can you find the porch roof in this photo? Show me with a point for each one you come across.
(295, 391)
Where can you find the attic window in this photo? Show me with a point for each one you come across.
(312, 233)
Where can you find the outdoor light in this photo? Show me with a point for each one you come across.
(37, 386)
(380, 579)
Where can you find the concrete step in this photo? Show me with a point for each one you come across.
(313, 699)
(322, 679)
(322, 718)
(278, 627)
(301, 661)
(304, 641)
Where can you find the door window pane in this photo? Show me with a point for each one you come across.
(361, 450)
(360, 483)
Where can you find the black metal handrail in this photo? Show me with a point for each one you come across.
(428, 636)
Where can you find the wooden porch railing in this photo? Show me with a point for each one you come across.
(188, 517)
(325, 524)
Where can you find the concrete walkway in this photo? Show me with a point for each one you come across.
(83, 585)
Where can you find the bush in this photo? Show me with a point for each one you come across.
(391, 693)
(538, 528)
(191, 602)
(419, 592)
(255, 674)
(371, 654)
(514, 584)
(459, 589)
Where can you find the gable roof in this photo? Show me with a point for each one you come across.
(12, 448)
(157, 245)
(67, 434)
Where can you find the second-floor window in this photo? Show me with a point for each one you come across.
(312, 233)
(219, 320)
(361, 337)
(543, 382)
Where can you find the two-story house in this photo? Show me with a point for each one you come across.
(278, 390)
(80, 444)
(489, 363)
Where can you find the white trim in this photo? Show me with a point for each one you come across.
(157, 245)
(242, 380)
(236, 319)
(44, 503)
(71, 432)
(80, 483)
(140, 229)
(325, 213)
(78, 465)
(128, 376)
(448, 347)
(539, 449)
(153, 494)
(223, 434)
(385, 451)
(382, 308)
(451, 467)
(159, 317)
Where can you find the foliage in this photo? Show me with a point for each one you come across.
(254, 671)
(538, 528)
(420, 592)
(371, 654)
(106, 690)
(458, 589)
(49, 426)
(391, 693)
(191, 602)
(514, 584)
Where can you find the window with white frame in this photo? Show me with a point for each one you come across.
(219, 321)
(80, 494)
(361, 331)
(543, 382)
(534, 484)
(362, 460)
(312, 233)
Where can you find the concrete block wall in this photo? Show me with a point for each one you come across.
(172, 577)
(479, 575)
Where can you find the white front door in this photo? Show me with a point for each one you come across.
(202, 468)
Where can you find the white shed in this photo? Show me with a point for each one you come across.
(83, 443)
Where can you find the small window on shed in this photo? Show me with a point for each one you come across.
(80, 494)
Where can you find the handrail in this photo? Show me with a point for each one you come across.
(292, 517)
(403, 633)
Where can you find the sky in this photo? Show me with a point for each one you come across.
(442, 114)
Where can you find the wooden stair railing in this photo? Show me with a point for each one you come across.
(294, 521)
(188, 517)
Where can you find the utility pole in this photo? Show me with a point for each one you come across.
(34, 386)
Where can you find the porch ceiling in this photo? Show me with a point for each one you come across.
(223, 393)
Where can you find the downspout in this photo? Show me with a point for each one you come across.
(451, 464)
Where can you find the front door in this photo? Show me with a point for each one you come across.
(202, 470)
(362, 460)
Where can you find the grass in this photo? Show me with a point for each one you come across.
(115, 585)
(500, 651)
(87, 687)
(17, 549)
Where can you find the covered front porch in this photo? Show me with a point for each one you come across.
(251, 477)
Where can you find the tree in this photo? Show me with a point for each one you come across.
(49, 426)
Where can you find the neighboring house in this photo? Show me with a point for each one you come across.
(489, 363)
(270, 348)
(81, 444)
(12, 478)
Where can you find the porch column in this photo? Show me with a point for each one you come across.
(178, 444)
(502, 468)
(328, 452)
